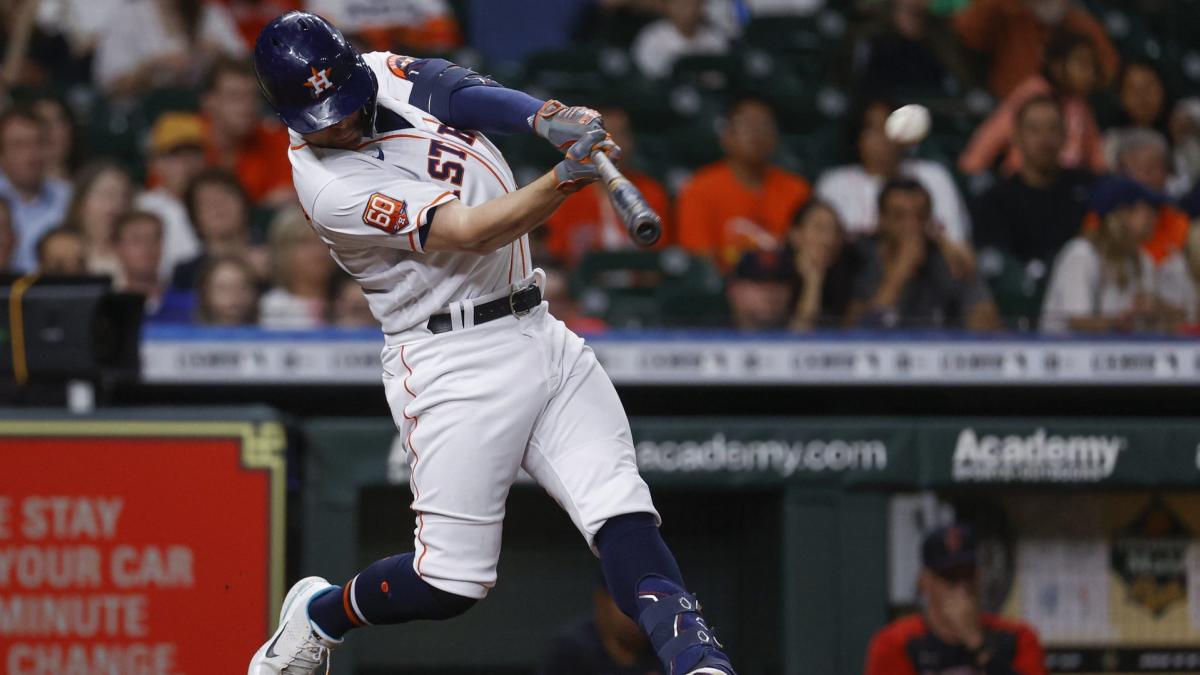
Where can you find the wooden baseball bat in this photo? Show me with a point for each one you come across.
(644, 225)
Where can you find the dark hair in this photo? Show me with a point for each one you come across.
(59, 231)
(76, 154)
(1040, 99)
(226, 65)
(857, 121)
(130, 217)
(903, 184)
(812, 205)
(214, 176)
(205, 274)
(16, 113)
(1160, 123)
(740, 101)
(84, 181)
(190, 14)
(1059, 47)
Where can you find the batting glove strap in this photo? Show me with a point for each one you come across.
(578, 169)
(563, 126)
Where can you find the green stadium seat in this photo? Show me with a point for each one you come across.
(1017, 293)
(647, 289)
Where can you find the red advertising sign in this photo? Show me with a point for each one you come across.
(137, 548)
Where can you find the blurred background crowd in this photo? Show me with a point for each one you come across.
(1057, 191)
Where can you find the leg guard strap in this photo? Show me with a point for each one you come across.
(666, 609)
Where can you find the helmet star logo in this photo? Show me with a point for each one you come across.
(319, 81)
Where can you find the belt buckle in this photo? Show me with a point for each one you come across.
(512, 308)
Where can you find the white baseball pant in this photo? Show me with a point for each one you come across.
(476, 404)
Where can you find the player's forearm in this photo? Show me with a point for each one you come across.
(492, 110)
(495, 223)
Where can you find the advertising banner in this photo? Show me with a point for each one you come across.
(138, 547)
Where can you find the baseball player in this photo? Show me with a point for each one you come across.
(391, 165)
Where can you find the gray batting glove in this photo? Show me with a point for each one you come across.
(578, 169)
(563, 126)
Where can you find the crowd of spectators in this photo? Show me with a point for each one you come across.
(1056, 193)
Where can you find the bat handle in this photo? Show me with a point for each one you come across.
(644, 225)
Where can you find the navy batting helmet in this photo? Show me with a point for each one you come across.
(310, 74)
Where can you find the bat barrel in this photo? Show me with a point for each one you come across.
(643, 224)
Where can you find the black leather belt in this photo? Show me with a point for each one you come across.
(517, 303)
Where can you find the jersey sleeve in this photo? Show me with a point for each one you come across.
(376, 209)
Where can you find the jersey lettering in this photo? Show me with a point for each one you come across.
(464, 136)
(385, 213)
(449, 171)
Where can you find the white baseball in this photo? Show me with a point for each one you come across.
(907, 125)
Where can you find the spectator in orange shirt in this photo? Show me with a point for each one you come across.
(953, 635)
(1014, 33)
(240, 139)
(587, 221)
(741, 203)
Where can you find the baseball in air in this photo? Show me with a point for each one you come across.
(908, 124)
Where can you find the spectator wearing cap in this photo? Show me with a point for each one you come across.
(758, 290)
(953, 635)
(37, 202)
(1015, 34)
(743, 202)
(176, 157)
(586, 221)
(681, 32)
(1143, 156)
(904, 280)
(1071, 74)
(240, 139)
(1104, 280)
(1031, 214)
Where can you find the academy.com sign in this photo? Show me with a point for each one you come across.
(1037, 457)
(718, 454)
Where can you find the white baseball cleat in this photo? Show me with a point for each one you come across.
(297, 647)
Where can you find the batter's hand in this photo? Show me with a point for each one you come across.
(563, 126)
(578, 169)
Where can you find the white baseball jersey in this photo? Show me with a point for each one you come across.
(368, 205)
(479, 402)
